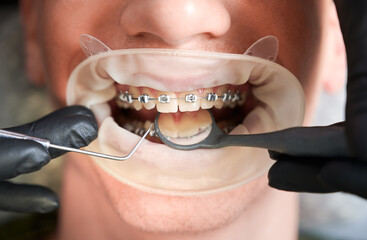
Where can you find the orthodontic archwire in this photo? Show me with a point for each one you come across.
(189, 98)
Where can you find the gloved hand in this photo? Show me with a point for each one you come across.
(316, 174)
(71, 126)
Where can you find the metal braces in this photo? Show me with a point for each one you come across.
(189, 98)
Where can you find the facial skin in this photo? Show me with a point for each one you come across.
(230, 26)
(233, 27)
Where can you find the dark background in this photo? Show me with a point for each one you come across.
(8, 3)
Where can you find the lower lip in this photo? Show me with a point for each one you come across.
(157, 168)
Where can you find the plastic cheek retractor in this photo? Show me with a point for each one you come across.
(109, 76)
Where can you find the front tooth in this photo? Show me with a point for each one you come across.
(136, 93)
(167, 107)
(150, 104)
(208, 103)
(187, 102)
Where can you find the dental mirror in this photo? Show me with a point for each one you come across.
(298, 141)
(178, 130)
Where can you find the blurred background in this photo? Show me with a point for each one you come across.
(331, 216)
(21, 102)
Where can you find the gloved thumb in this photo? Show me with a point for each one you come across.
(73, 126)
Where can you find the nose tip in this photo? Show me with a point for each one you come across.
(175, 21)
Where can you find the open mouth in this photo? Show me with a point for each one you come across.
(126, 88)
(182, 115)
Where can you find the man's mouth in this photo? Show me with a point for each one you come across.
(134, 108)
(126, 88)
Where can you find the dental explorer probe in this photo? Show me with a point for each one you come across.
(47, 144)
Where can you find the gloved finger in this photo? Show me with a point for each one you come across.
(73, 127)
(298, 176)
(70, 110)
(19, 156)
(356, 116)
(353, 23)
(27, 198)
(346, 176)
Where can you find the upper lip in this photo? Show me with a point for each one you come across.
(177, 84)
(164, 73)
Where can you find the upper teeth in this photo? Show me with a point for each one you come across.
(189, 98)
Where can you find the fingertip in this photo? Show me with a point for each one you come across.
(276, 176)
(49, 204)
(85, 130)
(92, 123)
(282, 187)
(274, 155)
(41, 200)
(35, 156)
(27, 198)
(19, 156)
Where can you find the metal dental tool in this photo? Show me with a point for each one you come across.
(298, 141)
(46, 143)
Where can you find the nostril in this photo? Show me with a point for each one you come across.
(175, 22)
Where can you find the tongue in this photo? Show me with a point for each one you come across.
(184, 124)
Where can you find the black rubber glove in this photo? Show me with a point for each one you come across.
(73, 126)
(297, 173)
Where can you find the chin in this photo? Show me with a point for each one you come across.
(158, 213)
(160, 189)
